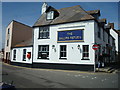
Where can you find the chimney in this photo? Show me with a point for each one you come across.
(112, 25)
(44, 7)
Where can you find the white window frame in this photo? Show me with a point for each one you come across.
(64, 51)
(50, 15)
(14, 54)
(85, 52)
(43, 33)
(43, 49)
(24, 54)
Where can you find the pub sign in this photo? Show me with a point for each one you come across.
(70, 36)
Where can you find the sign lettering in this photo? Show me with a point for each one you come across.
(70, 36)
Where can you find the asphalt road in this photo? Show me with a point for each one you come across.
(23, 77)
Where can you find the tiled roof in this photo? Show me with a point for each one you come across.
(93, 12)
(69, 14)
(25, 43)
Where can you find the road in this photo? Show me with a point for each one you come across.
(23, 77)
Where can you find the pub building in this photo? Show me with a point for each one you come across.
(64, 38)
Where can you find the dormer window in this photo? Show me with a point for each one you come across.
(50, 15)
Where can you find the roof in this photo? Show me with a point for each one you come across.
(103, 20)
(19, 23)
(69, 14)
(25, 43)
(93, 12)
(118, 31)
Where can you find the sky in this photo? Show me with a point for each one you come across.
(29, 12)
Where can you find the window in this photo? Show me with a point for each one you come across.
(99, 32)
(8, 31)
(24, 54)
(7, 42)
(63, 51)
(43, 33)
(99, 50)
(43, 51)
(113, 42)
(50, 15)
(85, 52)
(103, 35)
(14, 54)
(108, 38)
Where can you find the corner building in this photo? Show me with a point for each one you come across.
(64, 38)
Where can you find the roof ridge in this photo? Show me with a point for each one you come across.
(68, 7)
(21, 23)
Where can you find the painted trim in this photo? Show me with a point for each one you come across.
(23, 46)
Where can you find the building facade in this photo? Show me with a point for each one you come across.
(22, 53)
(16, 32)
(64, 37)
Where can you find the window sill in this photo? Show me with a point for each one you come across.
(43, 38)
(63, 58)
(85, 59)
(44, 58)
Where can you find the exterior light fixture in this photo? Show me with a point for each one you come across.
(53, 46)
(78, 46)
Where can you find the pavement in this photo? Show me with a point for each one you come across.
(109, 69)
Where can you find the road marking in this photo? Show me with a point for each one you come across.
(54, 69)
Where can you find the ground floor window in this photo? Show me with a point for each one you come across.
(63, 51)
(43, 51)
(24, 54)
(85, 52)
(14, 54)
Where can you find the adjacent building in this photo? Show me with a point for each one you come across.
(16, 32)
(22, 53)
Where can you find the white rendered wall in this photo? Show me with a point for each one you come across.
(74, 55)
(100, 40)
(19, 55)
(115, 36)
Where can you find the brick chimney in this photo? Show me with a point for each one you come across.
(112, 25)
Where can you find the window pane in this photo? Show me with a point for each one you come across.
(43, 52)
(44, 32)
(62, 51)
(85, 51)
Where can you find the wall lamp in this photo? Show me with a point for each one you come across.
(78, 46)
(53, 46)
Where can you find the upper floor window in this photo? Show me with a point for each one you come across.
(14, 54)
(8, 31)
(7, 42)
(50, 15)
(99, 32)
(103, 35)
(24, 54)
(44, 33)
(85, 52)
(113, 42)
(108, 38)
